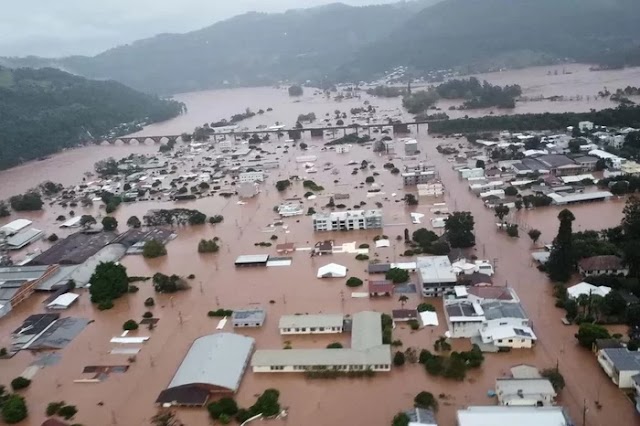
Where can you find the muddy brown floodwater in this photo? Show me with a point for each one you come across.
(128, 399)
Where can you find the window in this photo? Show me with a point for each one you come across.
(320, 328)
(510, 340)
(312, 329)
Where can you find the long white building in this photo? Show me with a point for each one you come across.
(367, 352)
(349, 220)
(311, 324)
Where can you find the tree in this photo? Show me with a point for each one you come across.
(631, 219)
(370, 179)
(501, 211)
(168, 284)
(410, 199)
(512, 230)
(398, 359)
(225, 406)
(281, 185)
(423, 307)
(511, 191)
(589, 333)
(426, 400)
(217, 218)
(20, 383)
(295, 90)
(108, 167)
(153, 249)
(14, 409)
(406, 234)
(208, 246)
(397, 275)
(403, 299)
(4, 210)
(134, 222)
(109, 223)
(130, 325)
(424, 238)
(87, 221)
(67, 411)
(303, 146)
(614, 303)
(459, 229)
(534, 234)
(165, 418)
(554, 376)
(401, 419)
(108, 282)
(354, 282)
(480, 164)
(561, 261)
(149, 302)
(518, 203)
(29, 201)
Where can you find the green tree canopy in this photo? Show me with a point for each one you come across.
(561, 263)
(589, 333)
(108, 282)
(134, 222)
(459, 228)
(109, 223)
(14, 409)
(153, 249)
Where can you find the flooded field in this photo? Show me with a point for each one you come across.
(127, 399)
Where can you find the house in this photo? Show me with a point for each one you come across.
(247, 189)
(289, 210)
(415, 178)
(285, 248)
(509, 415)
(63, 301)
(435, 275)
(585, 125)
(410, 147)
(332, 270)
(421, 417)
(620, 364)
(252, 260)
(404, 315)
(347, 220)
(535, 392)
(600, 344)
(380, 288)
(602, 265)
(506, 336)
(18, 283)
(467, 319)
(476, 172)
(323, 247)
(311, 324)
(248, 317)
(587, 162)
(587, 289)
(367, 352)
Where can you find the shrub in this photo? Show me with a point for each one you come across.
(3, 351)
(398, 359)
(396, 343)
(153, 249)
(14, 409)
(220, 313)
(133, 288)
(67, 411)
(397, 275)
(53, 408)
(423, 307)
(149, 302)
(426, 400)
(354, 282)
(363, 246)
(52, 238)
(147, 315)
(216, 219)
(191, 276)
(20, 383)
(335, 345)
(208, 246)
(226, 407)
(105, 305)
(554, 376)
(414, 324)
(130, 325)
(362, 257)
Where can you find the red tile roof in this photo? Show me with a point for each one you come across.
(600, 263)
(380, 287)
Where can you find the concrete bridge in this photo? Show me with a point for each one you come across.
(293, 133)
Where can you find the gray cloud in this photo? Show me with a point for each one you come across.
(72, 27)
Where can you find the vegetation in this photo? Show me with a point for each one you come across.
(29, 201)
(208, 246)
(398, 359)
(334, 374)
(53, 408)
(354, 282)
(387, 91)
(419, 101)
(512, 230)
(67, 411)
(223, 407)
(362, 257)
(165, 418)
(397, 275)
(501, 211)
(588, 333)
(20, 383)
(454, 366)
(168, 284)
(134, 222)
(108, 282)
(534, 234)
(479, 95)
(14, 409)
(109, 223)
(130, 325)
(423, 307)
(218, 218)
(295, 90)
(149, 302)
(174, 217)
(387, 328)
(220, 313)
(311, 185)
(335, 345)
(411, 200)
(153, 249)
(561, 261)
(281, 185)
(426, 400)
(48, 110)
(4, 210)
(459, 228)
(555, 377)
(401, 419)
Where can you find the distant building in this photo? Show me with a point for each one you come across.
(349, 220)
(415, 178)
(247, 189)
(585, 126)
(17, 283)
(289, 210)
(410, 147)
(311, 324)
(343, 149)
(251, 177)
(602, 265)
(248, 317)
(252, 260)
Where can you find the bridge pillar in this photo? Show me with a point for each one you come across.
(294, 134)
(157, 139)
(172, 138)
(400, 128)
(317, 133)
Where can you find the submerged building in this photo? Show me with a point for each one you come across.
(349, 220)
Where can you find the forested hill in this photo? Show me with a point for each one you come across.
(45, 110)
(485, 33)
(249, 49)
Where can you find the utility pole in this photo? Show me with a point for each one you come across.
(584, 413)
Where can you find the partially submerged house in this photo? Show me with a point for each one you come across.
(536, 392)
(311, 324)
(602, 265)
(332, 270)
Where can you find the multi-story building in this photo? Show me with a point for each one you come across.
(289, 210)
(416, 178)
(349, 220)
(435, 275)
(251, 177)
(410, 147)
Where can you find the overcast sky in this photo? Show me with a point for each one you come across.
(67, 27)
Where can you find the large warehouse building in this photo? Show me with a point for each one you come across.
(214, 364)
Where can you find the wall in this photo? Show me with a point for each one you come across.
(302, 330)
(515, 343)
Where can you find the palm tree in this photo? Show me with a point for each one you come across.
(403, 299)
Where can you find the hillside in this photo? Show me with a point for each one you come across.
(480, 34)
(250, 49)
(45, 110)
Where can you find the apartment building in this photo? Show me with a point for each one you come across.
(349, 220)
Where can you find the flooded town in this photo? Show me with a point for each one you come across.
(364, 266)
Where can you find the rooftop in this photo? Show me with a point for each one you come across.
(509, 415)
(252, 258)
(496, 310)
(249, 314)
(321, 357)
(352, 214)
(599, 263)
(366, 330)
(435, 269)
(313, 320)
(509, 386)
(623, 359)
(22, 273)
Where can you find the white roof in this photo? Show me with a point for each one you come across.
(312, 320)
(15, 226)
(382, 243)
(74, 221)
(510, 415)
(429, 318)
(585, 288)
(332, 270)
(251, 258)
(536, 386)
(461, 291)
(506, 332)
(577, 178)
(63, 301)
(322, 357)
(436, 269)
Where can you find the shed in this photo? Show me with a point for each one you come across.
(214, 364)
(63, 301)
(285, 248)
(252, 260)
(332, 270)
(248, 317)
(380, 288)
